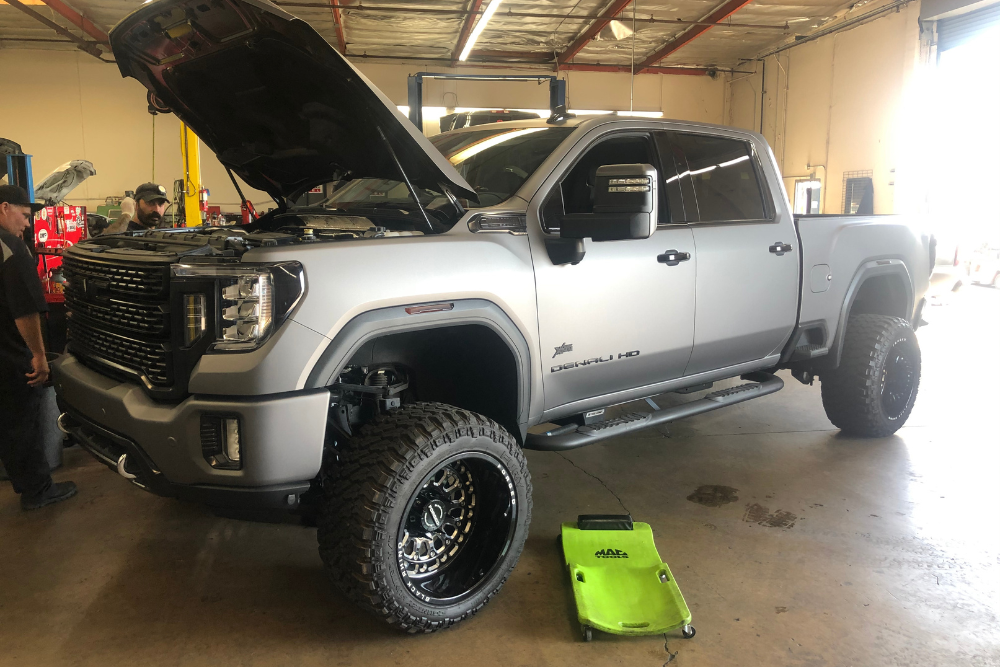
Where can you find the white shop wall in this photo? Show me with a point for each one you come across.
(836, 105)
(67, 105)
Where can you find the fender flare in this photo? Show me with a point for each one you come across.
(379, 322)
(868, 270)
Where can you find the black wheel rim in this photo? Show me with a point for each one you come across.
(898, 380)
(457, 528)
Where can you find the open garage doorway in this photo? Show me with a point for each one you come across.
(949, 166)
(965, 113)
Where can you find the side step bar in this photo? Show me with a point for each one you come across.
(572, 436)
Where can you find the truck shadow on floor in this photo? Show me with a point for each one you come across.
(203, 583)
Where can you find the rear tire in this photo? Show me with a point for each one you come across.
(871, 393)
(426, 515)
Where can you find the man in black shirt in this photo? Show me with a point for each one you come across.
(23, 367)
(144, 212)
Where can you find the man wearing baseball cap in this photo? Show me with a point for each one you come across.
(23, 366)
(143, 212)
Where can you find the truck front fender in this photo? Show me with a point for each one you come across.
(380, 322)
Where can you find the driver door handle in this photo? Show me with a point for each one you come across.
(780, 248)
(673, 257)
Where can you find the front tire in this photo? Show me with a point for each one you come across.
(872, 392)
(427, 515)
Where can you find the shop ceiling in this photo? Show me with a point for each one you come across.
(682, 36)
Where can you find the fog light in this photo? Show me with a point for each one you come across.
(220, 442)
(232, 439)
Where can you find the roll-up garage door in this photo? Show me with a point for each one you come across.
(956, 30)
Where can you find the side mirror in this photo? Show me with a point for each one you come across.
(625, 201)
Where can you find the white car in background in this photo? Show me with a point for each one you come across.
(984, 269)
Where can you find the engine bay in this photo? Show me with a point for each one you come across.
(283, 229)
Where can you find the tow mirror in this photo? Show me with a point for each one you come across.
(625, 200)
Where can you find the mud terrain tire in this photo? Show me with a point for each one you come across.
(426, 515)
(871, 393)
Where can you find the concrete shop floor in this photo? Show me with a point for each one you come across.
(836, 552)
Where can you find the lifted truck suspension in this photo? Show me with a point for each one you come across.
(364, 392)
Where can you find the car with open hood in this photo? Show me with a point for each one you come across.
(379, 359)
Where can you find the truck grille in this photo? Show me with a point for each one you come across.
(145, 280)
(120, 319)
(151, 360)
(118, 313)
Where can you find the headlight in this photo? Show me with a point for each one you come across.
(252, 300)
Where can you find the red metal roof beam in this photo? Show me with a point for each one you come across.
(83, 44)
(338, 23)
(466, 31)
(720, 14)
(612, 10)
(78, 20)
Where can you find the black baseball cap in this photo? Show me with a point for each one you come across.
(151, 192)
(18, 196)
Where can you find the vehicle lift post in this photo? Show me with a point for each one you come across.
(17, 167)
(415, 89)
(191, 158)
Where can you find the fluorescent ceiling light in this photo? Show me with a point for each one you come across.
(641, 114)
(480, 26)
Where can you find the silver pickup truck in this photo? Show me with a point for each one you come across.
(383, 357)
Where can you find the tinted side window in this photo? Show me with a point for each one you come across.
(724, 177)
(675, 181)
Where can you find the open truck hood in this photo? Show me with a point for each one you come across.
(273, 100)
(63, 180)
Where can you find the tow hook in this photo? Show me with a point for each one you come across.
(122, 460)
(803, 376)
(62, 427)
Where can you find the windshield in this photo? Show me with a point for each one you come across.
(498, 160)
(494, 161)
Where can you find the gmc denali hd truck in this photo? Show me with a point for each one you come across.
(386, 355)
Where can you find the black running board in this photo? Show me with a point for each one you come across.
(572, 436)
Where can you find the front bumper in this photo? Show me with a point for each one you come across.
(282, 438)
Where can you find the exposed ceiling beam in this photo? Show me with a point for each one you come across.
(532, 56)
(466, 31)
(458, 13)
(536, 66)
(78, 19)
(81, 43)
(585, 67)
(726, 9)
(597, 26)
(339, 25)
